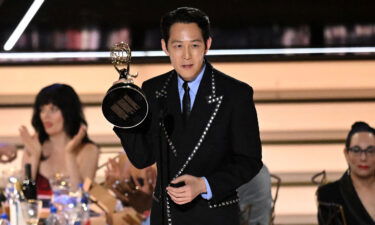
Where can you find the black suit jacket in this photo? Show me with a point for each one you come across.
(220, 142)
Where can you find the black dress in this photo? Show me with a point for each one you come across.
(341, 194)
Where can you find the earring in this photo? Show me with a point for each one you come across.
(348, 171)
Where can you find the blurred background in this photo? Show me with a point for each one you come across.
(67, 25)
(306, 101)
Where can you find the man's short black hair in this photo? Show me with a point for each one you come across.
(358, 127)
(185, 15)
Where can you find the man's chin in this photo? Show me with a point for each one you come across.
(187, 75)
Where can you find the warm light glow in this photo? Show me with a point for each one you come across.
(23, 24)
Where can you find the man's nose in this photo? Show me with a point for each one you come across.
(187, 54)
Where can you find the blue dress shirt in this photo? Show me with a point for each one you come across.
(194, 85)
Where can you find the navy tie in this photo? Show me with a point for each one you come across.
(186, 102)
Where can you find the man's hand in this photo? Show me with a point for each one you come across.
(193, 187)
(7, 153)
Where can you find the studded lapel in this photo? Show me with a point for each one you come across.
(204, 111)
(203, 114)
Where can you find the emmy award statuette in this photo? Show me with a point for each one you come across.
(124, 105)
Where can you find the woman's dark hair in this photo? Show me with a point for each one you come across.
(185, 15)
(358, 126)
(66, 99)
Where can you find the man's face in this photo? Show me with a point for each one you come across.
(186, 49)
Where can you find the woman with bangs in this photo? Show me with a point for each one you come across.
(60, 144)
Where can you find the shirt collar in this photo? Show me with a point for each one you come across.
(194, 84)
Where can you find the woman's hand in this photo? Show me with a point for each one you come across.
(31, 142)
(76, 140)
(114, 172)
(149, 180)
(132, 195)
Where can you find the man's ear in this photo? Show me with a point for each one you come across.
(164, 46)
(208, 44)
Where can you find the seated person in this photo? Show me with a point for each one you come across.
(133, 187)
(7, 153)
(354, 192)
(256, 194)
(60, 144)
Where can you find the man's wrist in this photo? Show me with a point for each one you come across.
(203, 185)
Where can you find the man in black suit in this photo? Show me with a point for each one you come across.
(202, 130)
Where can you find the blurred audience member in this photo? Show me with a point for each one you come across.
(7, 153)
(354, 192)
(60, 144)
(256, 199)
(132, 186)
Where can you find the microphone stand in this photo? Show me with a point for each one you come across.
(161, 167)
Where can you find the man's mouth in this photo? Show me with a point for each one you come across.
(187, 66)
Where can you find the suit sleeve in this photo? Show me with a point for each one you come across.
(245, 148)
(138, 142)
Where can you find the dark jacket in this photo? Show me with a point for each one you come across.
(341, 194)
(221, 142)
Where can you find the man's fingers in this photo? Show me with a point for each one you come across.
(182, 178)
(179, 190)
(182, 192)
(173, 195)
(180, 197)
(180, 201)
